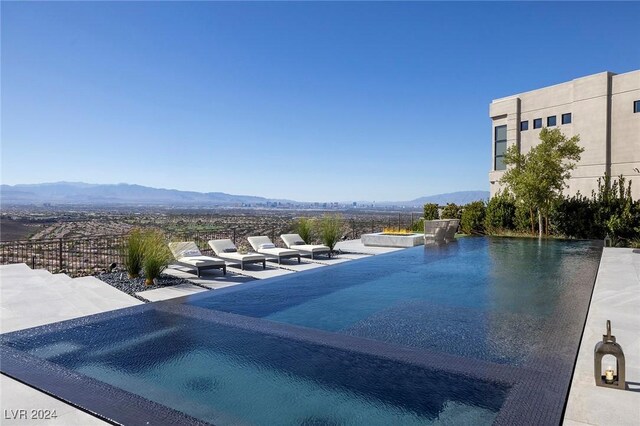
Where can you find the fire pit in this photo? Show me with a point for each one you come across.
(392, 239)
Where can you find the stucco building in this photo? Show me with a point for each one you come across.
(604, 109)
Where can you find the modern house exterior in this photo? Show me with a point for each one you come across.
(604, 109)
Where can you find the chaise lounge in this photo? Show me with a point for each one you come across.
(295, 242)
(186, 253)
(263, 245)
(225, 249)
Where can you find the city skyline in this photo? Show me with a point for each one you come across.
(303, 101)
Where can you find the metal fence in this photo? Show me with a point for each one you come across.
(90, 255)
(80, 256)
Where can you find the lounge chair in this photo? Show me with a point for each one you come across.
(452, 228)
(187, 254)
(435, 230)
(225, 249)
(295, 242)
(263, 245)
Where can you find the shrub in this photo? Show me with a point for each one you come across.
(574, 217)
(500, 213)
(133, 253)
(418, 226)
(330, 230)
(431, 211)
(451, 211)
(156, 255)
(304, 228)
(472, 221)
(523, 221)
(615, 212)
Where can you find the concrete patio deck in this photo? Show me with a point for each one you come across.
(616, 297)
(29, 298)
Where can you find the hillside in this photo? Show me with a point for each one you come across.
(127, 194)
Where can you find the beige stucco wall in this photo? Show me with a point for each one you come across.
(601, 106)
(625, 128)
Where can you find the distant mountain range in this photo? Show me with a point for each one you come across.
(460, 197)
(126, 194)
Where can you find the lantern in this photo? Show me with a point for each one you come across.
(611, 378)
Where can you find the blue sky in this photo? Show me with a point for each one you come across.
(306, 101)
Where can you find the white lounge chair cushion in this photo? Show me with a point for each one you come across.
(278, 251)
(242, 257)
(220, 248)
(184, 249)
(267, 246)
(201, 261)
(311, 248)
(258, 242)
(294, 241)
(188, 252)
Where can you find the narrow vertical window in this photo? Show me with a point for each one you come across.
(500, 138)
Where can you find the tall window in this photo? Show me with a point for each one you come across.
(537, 123)
(566, 118)
(500, 137)
(636, 106)
(551, 121)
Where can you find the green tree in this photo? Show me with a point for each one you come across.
(431, 211)
(472, 220)
(500, 213)
(451, 211)
(537, 178)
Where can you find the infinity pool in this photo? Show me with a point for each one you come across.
(482, 298)
(456, 334)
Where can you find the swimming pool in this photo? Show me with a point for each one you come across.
(480, 331)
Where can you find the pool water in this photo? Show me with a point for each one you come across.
(227, 375)
(429, 335)
(483, 298)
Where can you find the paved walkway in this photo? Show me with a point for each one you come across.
(616, 297)
(29, 298)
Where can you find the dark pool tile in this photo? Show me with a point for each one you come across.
(501, 337)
